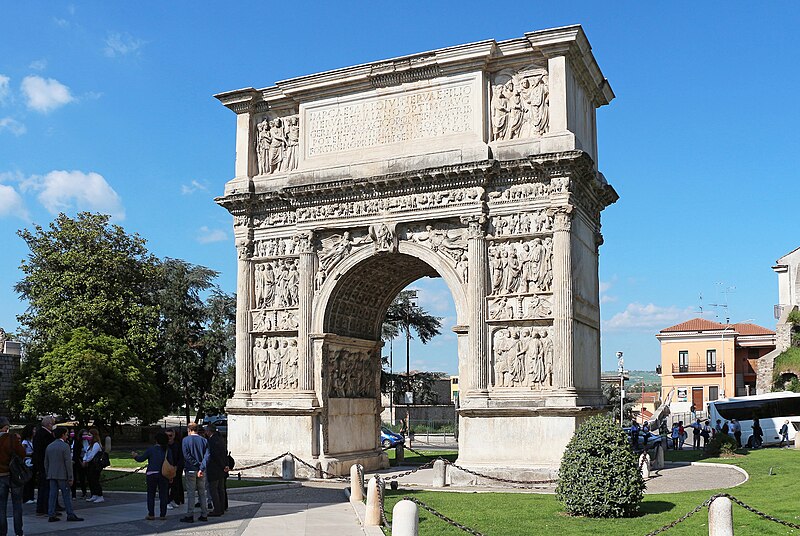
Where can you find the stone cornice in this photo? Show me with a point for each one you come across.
(540, 45)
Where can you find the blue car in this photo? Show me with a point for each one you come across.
(390, 439)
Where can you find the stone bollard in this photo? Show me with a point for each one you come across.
(374, 506)
(797, 441)
(644, 463)
(287, 468)
(356, 484)
(108, 443)
(405, 519)
(720, 517)
(399, 453)
(439, 474)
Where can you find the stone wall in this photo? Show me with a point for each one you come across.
(9, 365)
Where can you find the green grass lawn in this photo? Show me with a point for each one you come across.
(428, 455)
(511, 514)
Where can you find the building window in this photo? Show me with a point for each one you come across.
(683, 361)
(711, 360)
(713, 392)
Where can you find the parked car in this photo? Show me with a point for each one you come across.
(649, 440)
(390, 439)
(219, 421)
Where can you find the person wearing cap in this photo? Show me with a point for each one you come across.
(9, 445)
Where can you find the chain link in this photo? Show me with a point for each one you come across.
(682, 518)
(443, 517)
(276, 458)
(381, 486)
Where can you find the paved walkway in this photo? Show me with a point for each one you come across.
(298, 511)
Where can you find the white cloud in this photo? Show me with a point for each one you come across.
(11, 203)
(38, 65)
(4, 80)
(193, 186)
(13, 126)
(648, 317)
(45, 95)
(605, 297)
(61, 191)
(207, 236)
(121, 45)
(64, 23)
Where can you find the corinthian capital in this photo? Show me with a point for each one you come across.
(562, 219)
(476, 225)
(244, 248)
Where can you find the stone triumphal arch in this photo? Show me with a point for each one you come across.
(475, 163)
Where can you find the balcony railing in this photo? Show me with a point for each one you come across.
(688, 369)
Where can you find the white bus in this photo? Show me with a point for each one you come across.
(771, 410)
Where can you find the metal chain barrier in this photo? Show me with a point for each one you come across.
(276, 458)
(321, 470)
(381, 485)
(443, 517)
(127, 474)
(734, 500)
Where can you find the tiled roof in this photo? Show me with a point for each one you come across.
(701, 324)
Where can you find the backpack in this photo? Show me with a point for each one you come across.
(20, 473)
(230, 461)
(101, 460)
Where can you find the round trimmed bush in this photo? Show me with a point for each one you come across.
(722, 445)
(599, 474)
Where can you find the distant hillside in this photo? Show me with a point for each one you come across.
(652, 381)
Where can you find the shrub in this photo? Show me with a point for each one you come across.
(722, 445)
(599, 474)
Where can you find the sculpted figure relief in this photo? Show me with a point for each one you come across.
(522, 223)
(520, 105)
(521, 267)
(276, 144)
(276, 284)
(523, 357)
(520, 307)
(337, 247)
(275, 247)
(275, 362)
(352, 373)
(450, 242)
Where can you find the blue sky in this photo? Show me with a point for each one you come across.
(108, 107)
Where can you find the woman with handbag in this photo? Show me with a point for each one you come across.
(160, 471)
(92, 467)
(80, 444)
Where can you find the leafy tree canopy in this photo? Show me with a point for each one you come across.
(93, 377)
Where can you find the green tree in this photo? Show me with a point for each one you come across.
(86, 272)
(402, 317)
(611, 392)
(92, 377)
(195, 337)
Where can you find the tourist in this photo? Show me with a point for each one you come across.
(785, 434)
(682, 435)
(155, 455)
(27, 443)
(693, 411)
(758, 434)
(92, 467)
(635, 434)
(9, 443)
(646, 428)
(58, 468)
(215, 466)
(176, 486)
(697, 428)
(194, 447)
(80, 444)
(706, 433)
(726, 430)
(736, 429)
(41, 440)
(718, 427)
(675, 435)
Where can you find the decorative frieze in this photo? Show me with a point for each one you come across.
(352, 372)
(276, 284)
(277, 144)
(446, 239)
(520, 104)
(522, 223)
(521, 266)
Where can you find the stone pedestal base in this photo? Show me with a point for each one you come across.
(519, 444)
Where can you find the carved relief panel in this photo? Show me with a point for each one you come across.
(277, 143)
(352, 373)
(276, 284)
(449, 240)
(523, 357)
(522, 223)
(521, 266)
(275, 362)
(519, 106)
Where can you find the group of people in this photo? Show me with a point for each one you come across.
(201, 458)
(59, 459)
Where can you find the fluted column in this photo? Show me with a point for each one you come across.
(562, 301)
(477, 284)
(308, 267)
(244, 348)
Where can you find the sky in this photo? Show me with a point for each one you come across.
(108, 107)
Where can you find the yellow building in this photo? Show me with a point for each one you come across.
(454, 389)
(704, 360)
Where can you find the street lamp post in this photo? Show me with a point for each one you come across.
(621, 367)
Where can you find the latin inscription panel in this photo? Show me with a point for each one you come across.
(443, 107)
